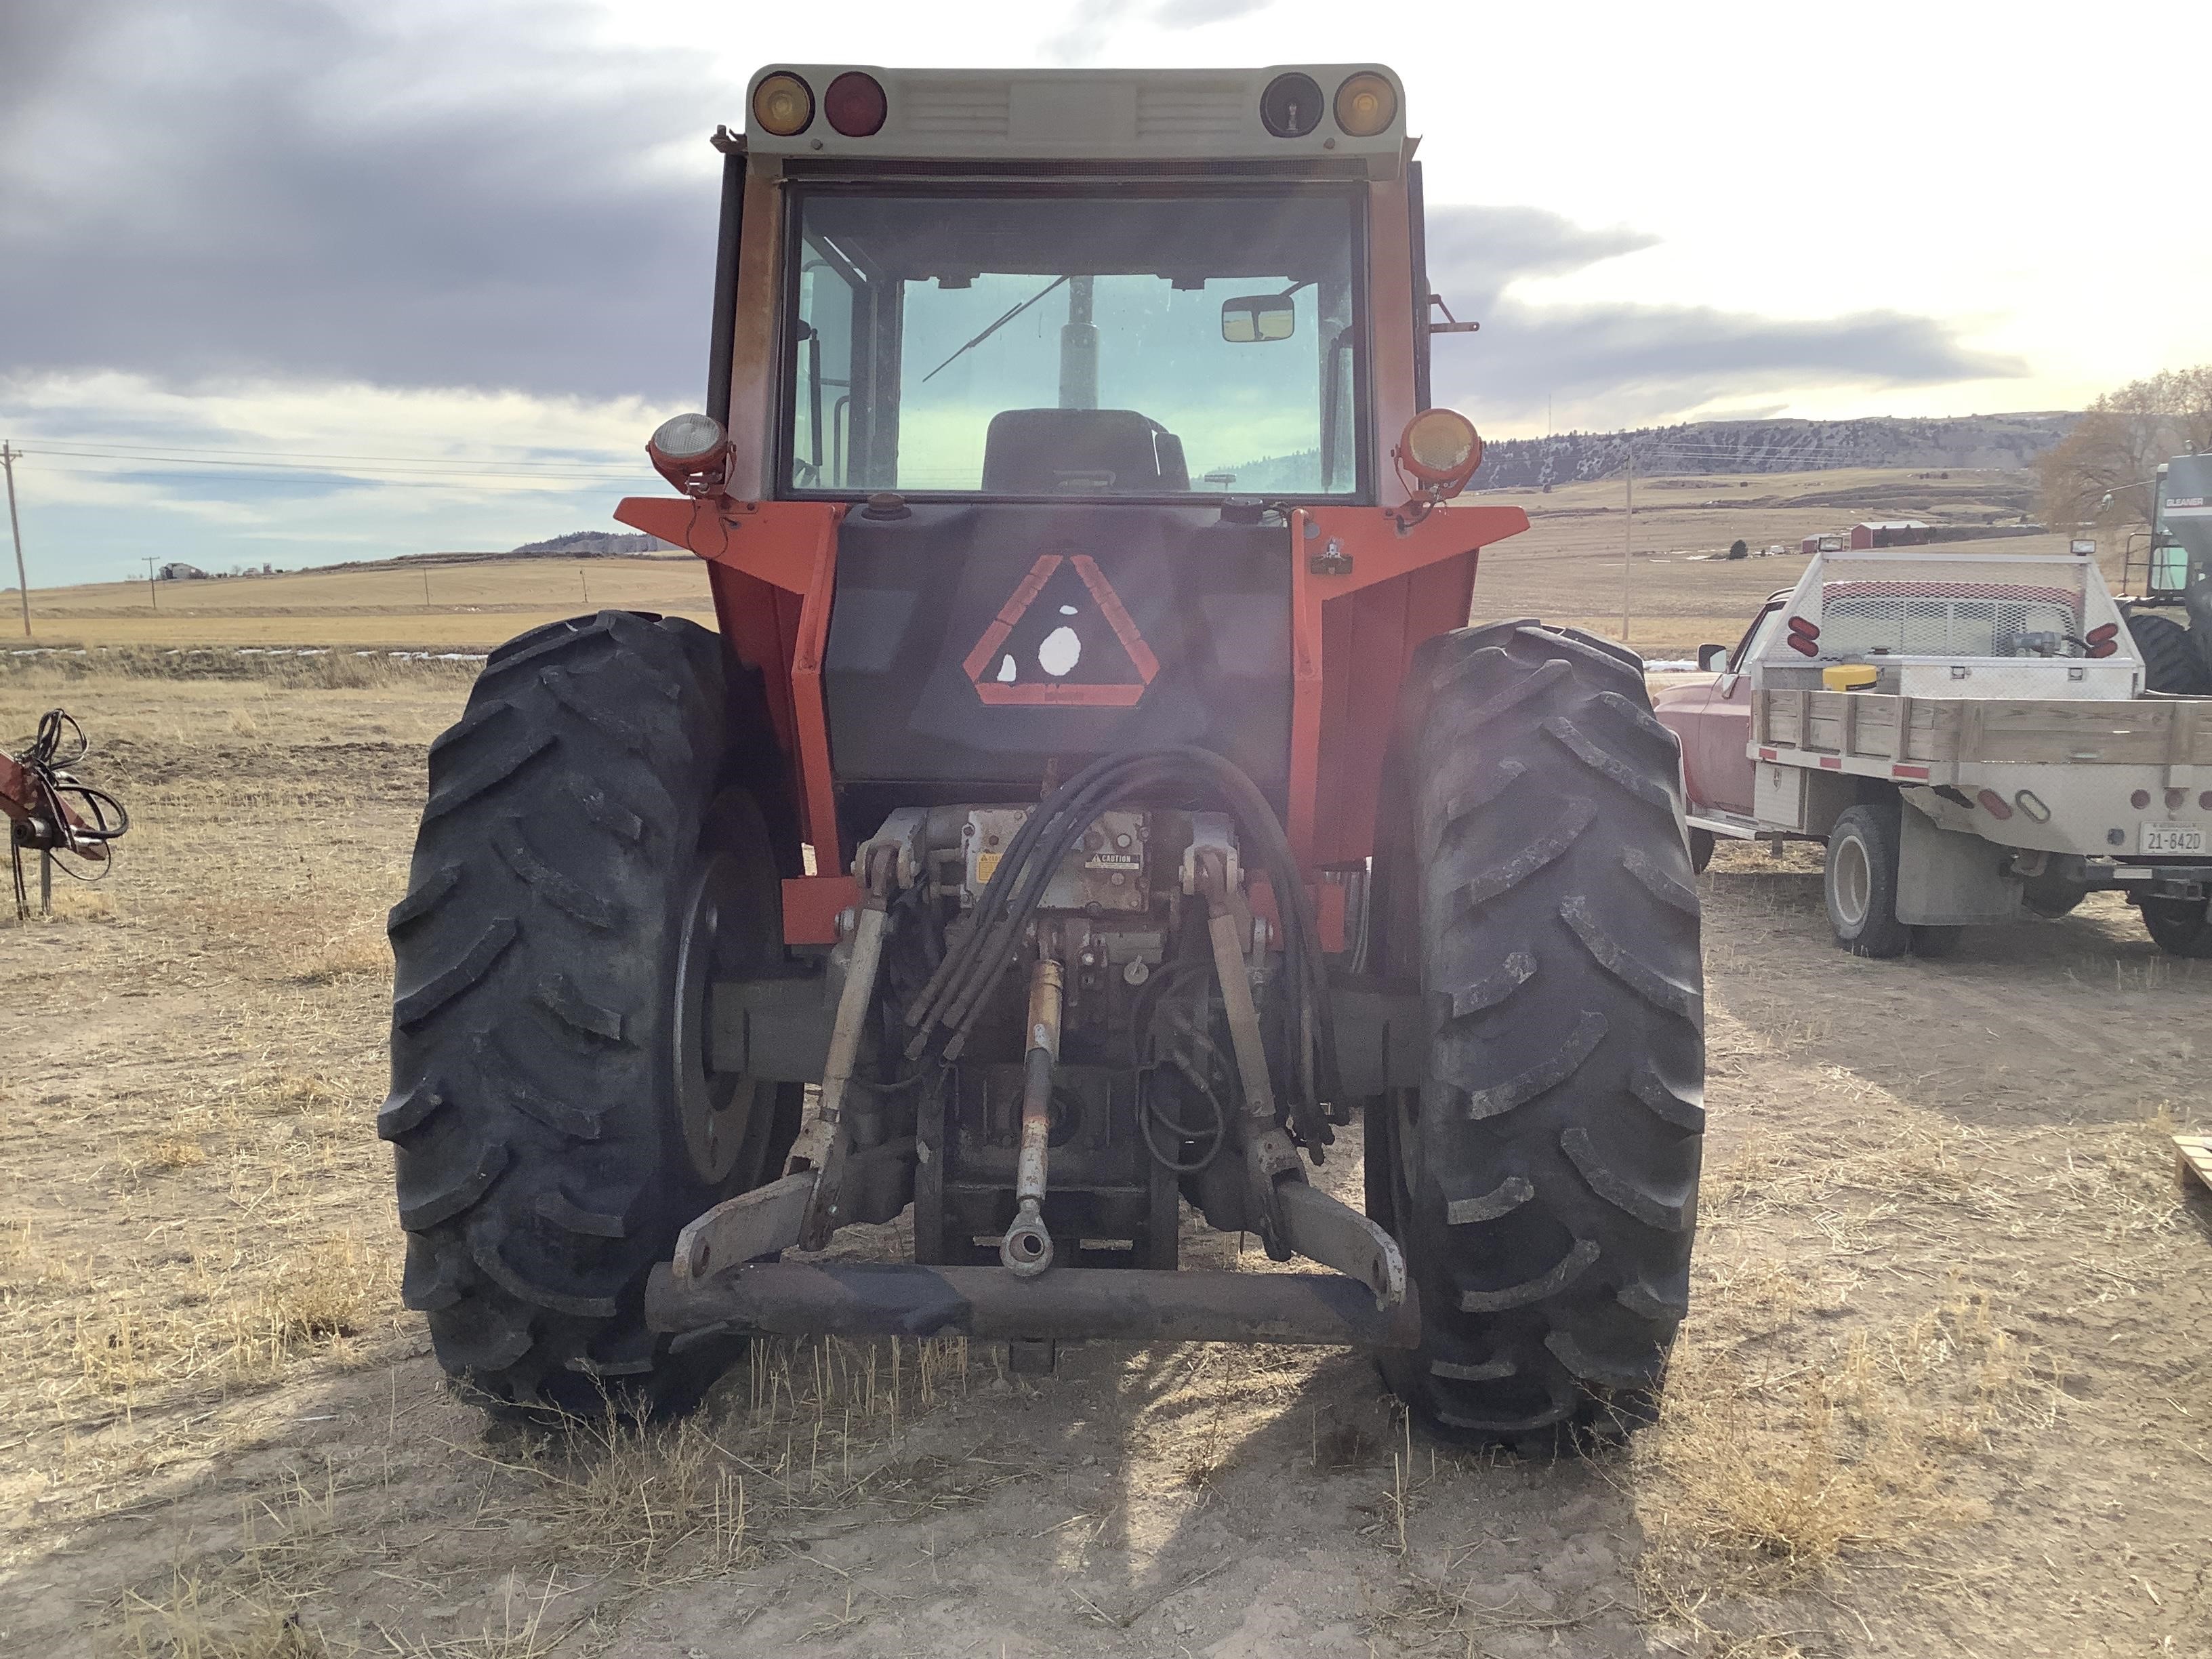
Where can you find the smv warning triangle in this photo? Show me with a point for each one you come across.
(1064, 636)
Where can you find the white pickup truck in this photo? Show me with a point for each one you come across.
(1969, 734)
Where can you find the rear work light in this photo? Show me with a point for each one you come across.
(854, 105)
(691, 451)
(1291, 107)
(783, 104)
(1365, 104)
(1441, 448)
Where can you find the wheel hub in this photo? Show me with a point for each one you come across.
(715, 1108)
(1854, 883)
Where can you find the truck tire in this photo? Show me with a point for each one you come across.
(1543, 1176)
(580, 870)
(2180, 928)
(2170, 658)
(1860, 881)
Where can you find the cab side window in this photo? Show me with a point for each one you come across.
(1756, 638)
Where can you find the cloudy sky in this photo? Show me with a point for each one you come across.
(420, 276)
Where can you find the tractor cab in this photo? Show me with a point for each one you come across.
(1053, 368)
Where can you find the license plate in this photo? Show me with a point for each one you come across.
(2173, 838)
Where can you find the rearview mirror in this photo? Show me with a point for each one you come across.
(1254, 317)
(1711, 658)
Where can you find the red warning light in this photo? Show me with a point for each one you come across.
(855, 104)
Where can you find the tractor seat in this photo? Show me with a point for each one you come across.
(1082, 451)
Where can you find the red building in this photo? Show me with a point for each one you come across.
(1889, 532)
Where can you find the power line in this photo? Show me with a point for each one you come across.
(93, 446)
(22, 582)
(115, 458)
(427, 467)
(121, 467)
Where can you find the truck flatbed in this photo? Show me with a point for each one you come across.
(1926, 740)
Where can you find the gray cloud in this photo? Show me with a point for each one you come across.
(1196, 13)
(405, 196)
(1645, 360)
(410, 199)
(1485, 248)
(1091, 23)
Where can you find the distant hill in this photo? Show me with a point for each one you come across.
(593, 544)
(1966, 441)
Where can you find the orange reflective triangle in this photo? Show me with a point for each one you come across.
(1059, 652)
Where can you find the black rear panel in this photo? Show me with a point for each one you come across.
(942, 646)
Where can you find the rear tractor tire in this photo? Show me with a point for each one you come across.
(1543, 1177)
(583, 871)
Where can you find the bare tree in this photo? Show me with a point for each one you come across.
(2100, 472)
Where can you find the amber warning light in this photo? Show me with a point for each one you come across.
(783, 104)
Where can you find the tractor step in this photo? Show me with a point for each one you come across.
(1123, 1304)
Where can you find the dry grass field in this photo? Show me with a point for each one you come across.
(1567, 568)
(1944, 1388)
(468, 606)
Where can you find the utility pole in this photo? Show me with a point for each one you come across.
(153, 597)
(7, 454)
(1628, 545)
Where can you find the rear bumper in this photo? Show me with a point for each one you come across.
(2174, 879)
(990, 1304)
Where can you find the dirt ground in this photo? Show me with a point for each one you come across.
(1944, 1386)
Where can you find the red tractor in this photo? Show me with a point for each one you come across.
(1093, 793)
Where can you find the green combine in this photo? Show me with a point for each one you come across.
(2169, 570)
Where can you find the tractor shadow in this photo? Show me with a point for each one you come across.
(2077, 1020)
(1234, 1487)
